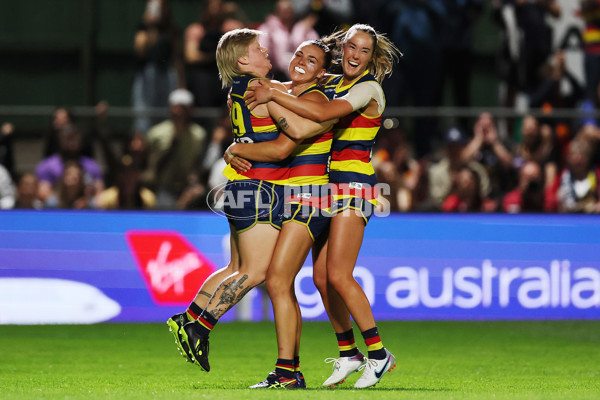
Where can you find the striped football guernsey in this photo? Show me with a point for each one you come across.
(308, 164)
(353, 139)
(249, 128)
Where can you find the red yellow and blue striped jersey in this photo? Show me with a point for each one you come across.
(353, 139)
(249, 128)
(591, 33)
(309, 159)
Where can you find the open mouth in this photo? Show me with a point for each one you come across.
(353, 64)
(299, 70)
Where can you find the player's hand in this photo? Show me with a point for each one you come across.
(240, 164)
(259, 94)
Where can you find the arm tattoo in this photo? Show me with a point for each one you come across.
(231, 293)
(283, 124)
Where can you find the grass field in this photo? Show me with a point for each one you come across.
(436, 360)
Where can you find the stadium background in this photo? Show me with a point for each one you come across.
(73, 52)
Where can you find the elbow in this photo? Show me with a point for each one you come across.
(280, 155)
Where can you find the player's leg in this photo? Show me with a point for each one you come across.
(293, 246)
(350, 358)
(255, 247)
(345, 239)
(177, 321)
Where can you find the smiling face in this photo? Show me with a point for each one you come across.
(357, 53)
(307, 64)
(257, 60)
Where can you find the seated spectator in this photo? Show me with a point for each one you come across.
(50, 170)
(394, 165)
(72, 191)
(27, 192)
(7, 190)
(61, 119)
(466, 194)
(175, 150)
(442, 174)
(128, 192)
(590, 132)
(530, 195)
(579, 190)
(537, 145)
(6, 147)
(487, 149)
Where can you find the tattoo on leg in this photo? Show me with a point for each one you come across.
(203, 293)
(231, 293)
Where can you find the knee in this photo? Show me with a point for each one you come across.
(320, 280)
(338, 280)
(276, 286)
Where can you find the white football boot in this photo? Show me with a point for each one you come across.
(374, 370)
(343, 367)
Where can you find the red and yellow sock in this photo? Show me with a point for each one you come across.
(285, 368)
(374, 344)
(347, 344)
(193, 312)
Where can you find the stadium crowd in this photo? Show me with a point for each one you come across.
(527, 164)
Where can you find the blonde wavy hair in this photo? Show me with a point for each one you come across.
(385, 53)
(233, 45)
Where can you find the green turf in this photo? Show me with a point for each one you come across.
(436, 360)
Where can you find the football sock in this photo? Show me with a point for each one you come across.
(285, 368)
(346, 343)
(374, 345)
(204, 324)
(193, 312)
(297, 363)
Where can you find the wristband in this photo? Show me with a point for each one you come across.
(228, 153)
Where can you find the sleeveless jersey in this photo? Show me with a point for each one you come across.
(249, 128)
(309, 159)
(353, 139)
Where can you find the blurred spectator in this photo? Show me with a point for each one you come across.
(416, 32)
(201, 39)
(466, 194)
(590, 11)
(283, 34)
(443, 174)
(27, 192)
(536, 44)
(72, 191)
(160, 68)
(559, 89)
(590, 133)
(457, 43)
(61, 118)
(6, 147)
(50, 170)
(175, 150)
(330, 14)
(128, 193)
(395, 166)
(487, 149)
(525, 46)
(7, 190)
(537, 145)
(530, 195)
(579, 189)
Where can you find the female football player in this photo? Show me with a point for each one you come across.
(357, 99)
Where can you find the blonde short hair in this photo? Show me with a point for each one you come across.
(233, 45)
